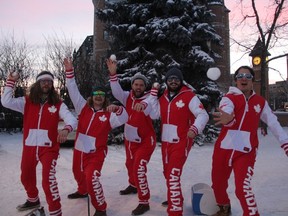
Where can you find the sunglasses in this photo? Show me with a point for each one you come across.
(171, 78)
(50, 82)
(100, 93)
(248, 76)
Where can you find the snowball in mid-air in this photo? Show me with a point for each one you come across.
(113, 57)
(213, 73)
(14, 74)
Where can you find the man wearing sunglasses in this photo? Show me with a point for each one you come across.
(240, 112)
(140, 137)
(96, 119)
(182, 117)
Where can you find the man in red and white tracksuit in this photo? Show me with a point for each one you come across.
(42, 110)
(96, 119)
(236, 147)
(182, 118)
(140, 137)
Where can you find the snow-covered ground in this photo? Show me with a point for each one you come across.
(270, 180)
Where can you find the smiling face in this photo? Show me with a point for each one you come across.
(98, 101)
(173, 83)
(138, 88)
(98, 98)
(244, 81)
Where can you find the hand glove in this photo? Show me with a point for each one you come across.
(285, 148)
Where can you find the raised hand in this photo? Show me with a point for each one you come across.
(68, 64)
(112, 66)
(13, 75)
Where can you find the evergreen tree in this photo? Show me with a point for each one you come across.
(152, 36)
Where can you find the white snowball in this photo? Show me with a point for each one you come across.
(213, 73)
(14, 74)
(156, 85)
(113, 57)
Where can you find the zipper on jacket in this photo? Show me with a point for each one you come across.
(246, 109)
(38, 127)
(90, 122)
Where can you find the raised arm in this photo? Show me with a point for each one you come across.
(117, 90)
(76, 98)
(7, 99)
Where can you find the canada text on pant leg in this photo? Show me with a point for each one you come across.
(175, 190)
(248, 193)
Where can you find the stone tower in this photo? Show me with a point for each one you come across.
(221, 25)
(100, 44)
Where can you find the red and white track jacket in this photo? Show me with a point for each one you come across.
(241, 133)
(93, 127)
(183, 112)
(139, 124)
(40, 120)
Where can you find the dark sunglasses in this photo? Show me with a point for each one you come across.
(248, 76)
(100, 93)
(171, 78)
(50, 82)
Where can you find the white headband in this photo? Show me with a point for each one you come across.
(45, 76)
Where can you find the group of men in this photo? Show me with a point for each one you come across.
(182, 116)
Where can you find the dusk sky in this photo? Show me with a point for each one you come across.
(35, 20)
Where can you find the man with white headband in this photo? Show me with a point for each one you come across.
(42, 109)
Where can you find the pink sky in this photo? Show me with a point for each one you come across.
(36, 20)
(265, 11)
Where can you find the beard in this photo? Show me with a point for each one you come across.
(137, 94)
(174, 88)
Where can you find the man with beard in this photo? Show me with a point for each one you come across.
(140, 137)
(240, 112)
(42, 110)
(182, 118)
(96, 119)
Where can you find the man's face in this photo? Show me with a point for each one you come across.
(46, 85)
(244, 81)
(173, 83)
(138, 88)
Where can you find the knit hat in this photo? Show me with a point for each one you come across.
(99, 89)
(174, 72)
(139, 76)
(44, 75)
